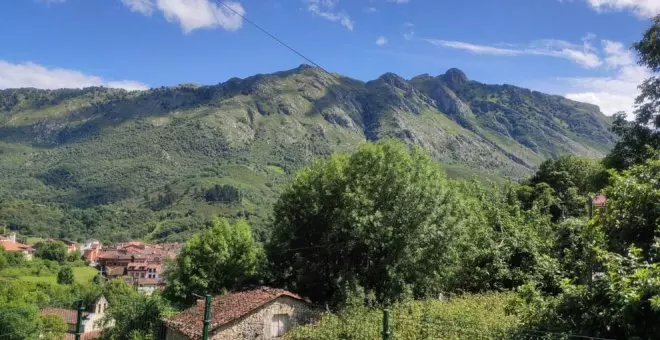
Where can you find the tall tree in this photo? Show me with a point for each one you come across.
(223, 257)
(51, 250)
(385, 219)
(65, 276)
(632, 216)
(640, 140)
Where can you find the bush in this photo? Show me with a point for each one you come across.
(467, 317)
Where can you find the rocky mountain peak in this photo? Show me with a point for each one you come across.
(455, 78)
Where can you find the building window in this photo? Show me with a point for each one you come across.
(279, 325)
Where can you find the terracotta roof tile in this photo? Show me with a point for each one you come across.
(13, 246)
(225, 309)
(70, 316)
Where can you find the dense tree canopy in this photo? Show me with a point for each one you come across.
(223, 257)
(385, 219)
(640, 140)
(51, 250)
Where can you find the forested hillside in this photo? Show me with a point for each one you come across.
(156, 164)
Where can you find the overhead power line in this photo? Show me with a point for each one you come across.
(280, 41)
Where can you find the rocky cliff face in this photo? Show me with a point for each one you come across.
(104, 146)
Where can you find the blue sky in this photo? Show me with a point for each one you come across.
(577, 48)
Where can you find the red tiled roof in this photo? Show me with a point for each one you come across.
(13, 246)
(70, 316)
(600, 200)
(225, 309)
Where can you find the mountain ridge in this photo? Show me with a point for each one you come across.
(94, 147)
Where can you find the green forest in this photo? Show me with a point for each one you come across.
(384, 225)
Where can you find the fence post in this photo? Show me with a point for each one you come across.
(386, 324)
(81, 310)
(207, 317)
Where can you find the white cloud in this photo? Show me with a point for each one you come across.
(617, 54)
(409, 35)
(371, 9)
(33, 75)
(193, 14)
(474, 48)
(641, 8)
(381, 41)
(582, 55)
(399, 1)
(612, 93)
(145, 7)
(327, 9)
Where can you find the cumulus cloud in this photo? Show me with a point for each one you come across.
(581, 55)
(641, 8)
(34, 75)
(193, 14)
(611, 93)
(327, 9)
(381, 41)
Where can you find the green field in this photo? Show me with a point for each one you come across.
(82, 275)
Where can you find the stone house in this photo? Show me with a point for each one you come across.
(262, 313)
(91, 320)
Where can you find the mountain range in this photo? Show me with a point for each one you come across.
(160, 151)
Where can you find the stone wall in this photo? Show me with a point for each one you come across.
(258, 324)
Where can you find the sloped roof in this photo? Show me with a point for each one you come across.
(70, 316)
(13, 246)
(225, 309)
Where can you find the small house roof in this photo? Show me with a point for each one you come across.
(69, 316)
(225, 309)
(13, 246)
(599, 200)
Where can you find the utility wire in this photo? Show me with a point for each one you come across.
(272, 36)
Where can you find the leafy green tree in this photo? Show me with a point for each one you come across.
(622, 302)
(385, 219)
(511, 246)
(563, 186)
(74, 256)
(19, 322)
(632, 216)
(135, 316)
(53, 326)
(116, 289)
(640, 140)
(3, 258)
(51, 250)
(65, 276)
(223, 257)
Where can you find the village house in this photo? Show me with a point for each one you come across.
(10, 244)
(262, 313)
(70, 245)
(92, 319)
(148, 286)
(91, 251)
(599, 203)
(139, 264)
